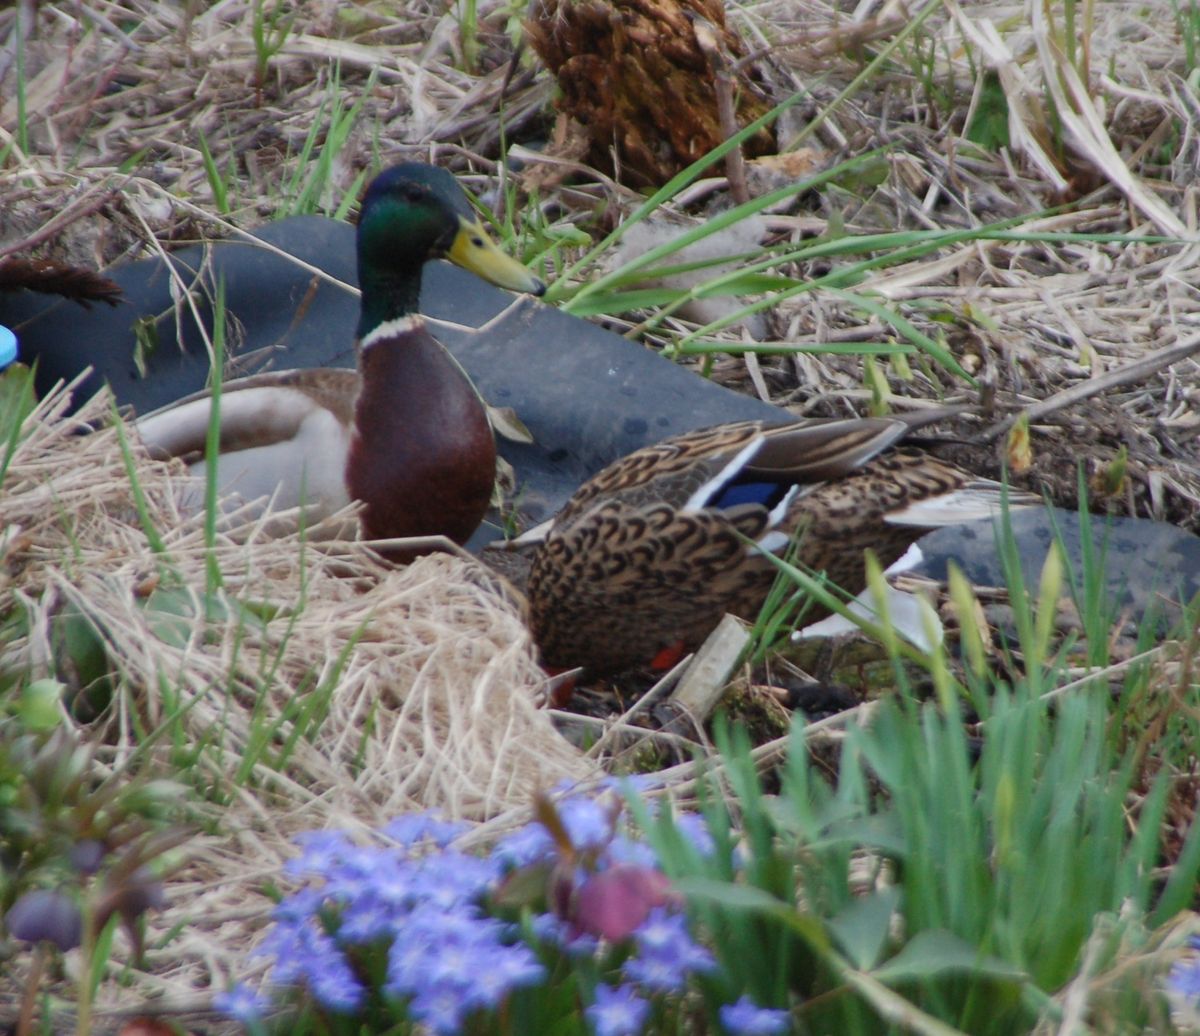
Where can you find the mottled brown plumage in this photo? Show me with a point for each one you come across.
(652, 551)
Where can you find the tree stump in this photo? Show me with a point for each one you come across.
(634, 75)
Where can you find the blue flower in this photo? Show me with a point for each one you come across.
(460, 875)
(365, 920)
(1183, 989)
(622, 850)
(442, 1009)
(299, 906)
(617, 1012)
(663, 931)
(408, 962)
(694, 828)
(425, 902)
(745, 1018)
(529, 844)
(305, 954)
(589, 824)
(463, 954)
(630, 783)
(1184, 979)
(393, 885)
(320, 852)
(430, 826)
(335, 986)
(452, 965)
(506, 969)
(456, 964)
(667, 954)
(550, 929)
(289, 943)
(561, 934)
(658, 974)
(241, 1003)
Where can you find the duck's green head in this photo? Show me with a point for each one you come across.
(412, 213)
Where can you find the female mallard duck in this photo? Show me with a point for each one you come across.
(407, 434)
(646, 557)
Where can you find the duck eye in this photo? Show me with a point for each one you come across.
(412, 192)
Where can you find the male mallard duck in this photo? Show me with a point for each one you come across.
(647, 556)
(407, 434)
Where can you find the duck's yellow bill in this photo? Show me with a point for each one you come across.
(474, 250)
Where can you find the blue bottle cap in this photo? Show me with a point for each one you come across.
(8, 347)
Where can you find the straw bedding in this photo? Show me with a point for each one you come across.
(424, 679)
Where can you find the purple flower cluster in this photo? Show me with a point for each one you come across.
(588, 824)
(418, 908)
(622, 897)
(445, 956)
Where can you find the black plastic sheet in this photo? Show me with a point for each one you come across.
(587, 395)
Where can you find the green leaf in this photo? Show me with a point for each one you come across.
(706, 347)
(171, 615)
(740, 897)
(604, 303)
(82, 647)
(906, 328)
(879, 831)
(935, 952)
(39, 709)
(1180, 890)
(736, 283)
(525, 887)
(989, 125)
(16, 403)
(174, 612)
(755, 900)
(861, 929)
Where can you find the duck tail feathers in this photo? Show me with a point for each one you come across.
(979, 499)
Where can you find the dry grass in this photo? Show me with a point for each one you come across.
(432, 683)
(425, 676)
(146, 81)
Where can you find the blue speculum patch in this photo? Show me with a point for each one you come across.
(766, 494)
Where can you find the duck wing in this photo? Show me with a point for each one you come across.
(284, 435)
(258, 410)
